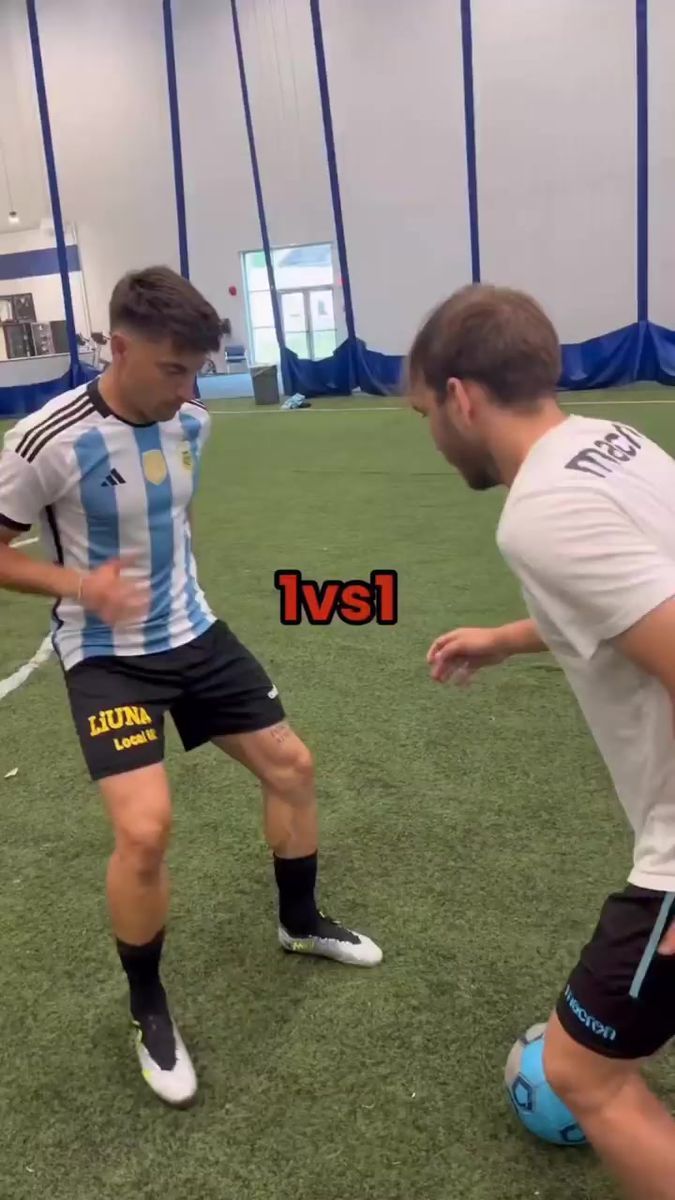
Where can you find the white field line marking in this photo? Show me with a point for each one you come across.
(257, 412)
(25, 542)
(19, 677)
(381, 408)
(599, 403)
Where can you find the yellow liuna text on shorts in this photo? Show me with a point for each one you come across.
(110, 720)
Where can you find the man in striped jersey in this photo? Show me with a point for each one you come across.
(109, 474)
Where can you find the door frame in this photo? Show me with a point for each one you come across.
(306, 292)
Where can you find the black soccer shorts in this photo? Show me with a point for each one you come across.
(211, 687)
(620, 998)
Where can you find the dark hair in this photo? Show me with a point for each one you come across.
(157, 303)
(494, 336)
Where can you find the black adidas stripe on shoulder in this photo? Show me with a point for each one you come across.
(73, 418)
(37, 430)
(198, 404)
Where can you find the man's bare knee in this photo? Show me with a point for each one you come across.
(294, 775)
(141, 845)
(139, 805)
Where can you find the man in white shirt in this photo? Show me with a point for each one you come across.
(588, 528)
(109, 473)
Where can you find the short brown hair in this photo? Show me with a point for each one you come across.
(494, 336)
(157, 303)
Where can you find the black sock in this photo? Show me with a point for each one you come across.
(296, 880)
(141, 964)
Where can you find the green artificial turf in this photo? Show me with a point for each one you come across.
(473, 833)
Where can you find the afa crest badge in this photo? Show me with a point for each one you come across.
(154, 467)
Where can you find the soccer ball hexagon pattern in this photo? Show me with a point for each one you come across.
(535, 1102)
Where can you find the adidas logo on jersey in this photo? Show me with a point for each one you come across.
(113, 479)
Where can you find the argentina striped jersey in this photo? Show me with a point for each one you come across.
(101, 488)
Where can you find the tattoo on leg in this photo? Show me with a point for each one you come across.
(281, 733)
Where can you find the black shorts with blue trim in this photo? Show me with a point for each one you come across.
(620, 998)
(211, 687)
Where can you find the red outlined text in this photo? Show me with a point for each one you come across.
(354, 601)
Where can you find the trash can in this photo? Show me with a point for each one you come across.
(265, 385)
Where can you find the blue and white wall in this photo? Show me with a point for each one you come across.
(555, 122)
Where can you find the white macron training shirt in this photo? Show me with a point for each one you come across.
(101, 488)
(589, 529)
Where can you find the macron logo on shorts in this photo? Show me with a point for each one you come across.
(604, 1031)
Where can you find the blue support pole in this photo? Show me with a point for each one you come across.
(175, 139)
(260, 203)
(54, 196)
(642, 63)
(331, 156)
(470, 134)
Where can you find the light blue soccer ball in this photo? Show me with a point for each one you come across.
(535, 1102)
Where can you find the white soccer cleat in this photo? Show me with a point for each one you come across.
(165, 1062)
(335, 941)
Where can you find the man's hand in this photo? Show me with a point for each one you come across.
(456, 656)
(116, 600)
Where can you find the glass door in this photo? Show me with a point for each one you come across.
(294, 320)
(308, 318)
(322, 322)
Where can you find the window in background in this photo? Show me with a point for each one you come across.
(304, 280)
